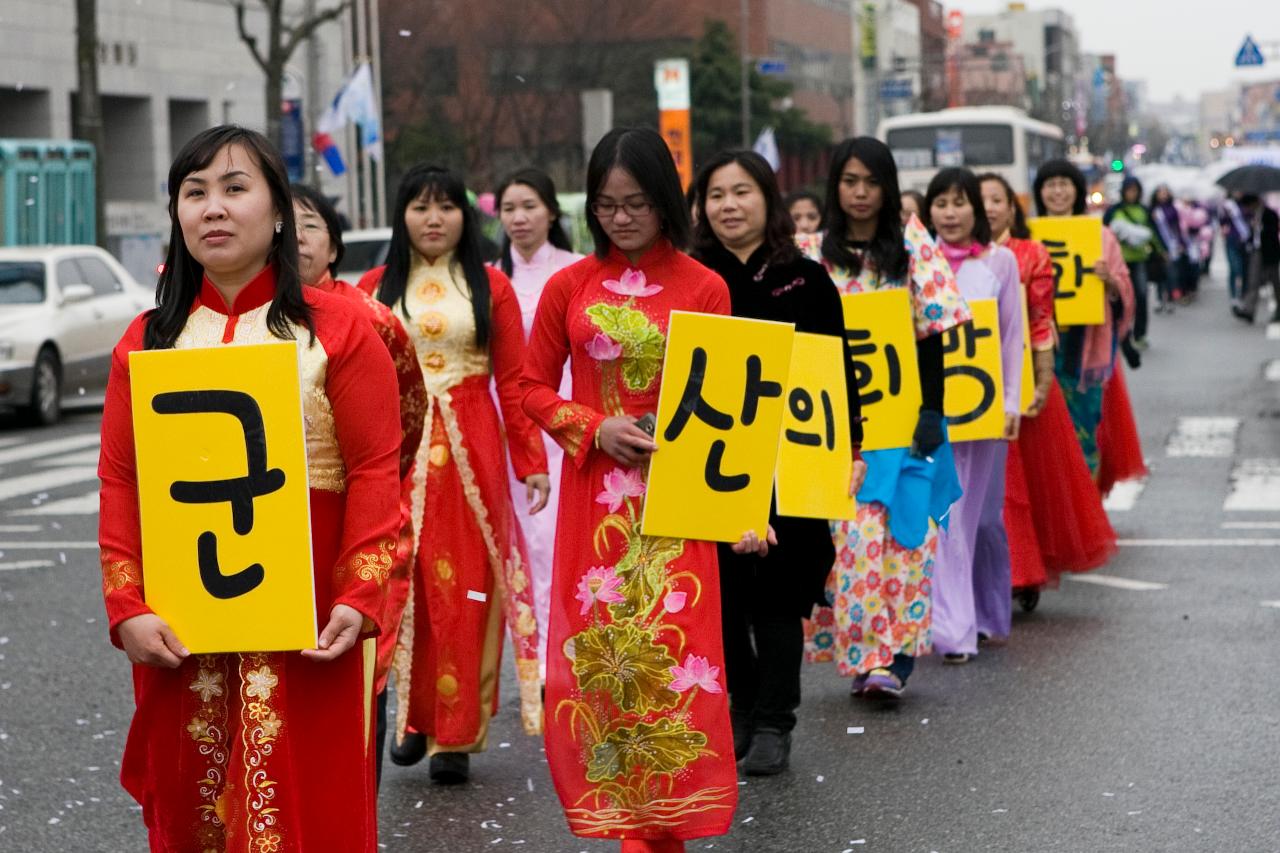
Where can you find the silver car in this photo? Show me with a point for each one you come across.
(62, 310)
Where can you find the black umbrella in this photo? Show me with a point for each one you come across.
(1252, 179)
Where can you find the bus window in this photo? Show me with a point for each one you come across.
(927, 147)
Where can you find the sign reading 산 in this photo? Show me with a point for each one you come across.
(815, 457)
(222, 489)
(719, 416)
(882, 346)
(1075, 245)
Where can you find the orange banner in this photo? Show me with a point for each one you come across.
(674, 127)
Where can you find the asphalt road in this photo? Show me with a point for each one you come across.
(1121, 716)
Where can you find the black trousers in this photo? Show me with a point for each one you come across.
(380, 737)
(763, 647)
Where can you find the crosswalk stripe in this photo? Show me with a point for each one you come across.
(1117, 583)
(83, 457)
(9, 442)
(48, 448)
(45, 480)
(1212, 437)
(35, 546)
(25, 564)
(1273, 331)
(19, 528)
(86, 504)
(1124, 495)
(1199, 543)
(1255, 485)
(1251, 525)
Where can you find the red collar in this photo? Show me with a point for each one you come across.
(260, 290)
(326, 283)
(656, 253)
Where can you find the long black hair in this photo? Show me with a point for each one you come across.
(312, 198)
(545, 188)
(958, 177)
(886, 250)
(437, 183)
(644, 154)
(1019, 227)
(1060, 169)
(180, 280)
(779, 230)
(805, 195)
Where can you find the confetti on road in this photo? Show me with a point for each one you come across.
(854, 730)
(749, 819)
(822, 778)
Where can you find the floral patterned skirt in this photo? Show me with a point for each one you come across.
(880, 594)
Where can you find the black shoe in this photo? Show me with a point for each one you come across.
(743, 732)
(770, 753)
(409, 751)
(1242, 314)
(450, 768)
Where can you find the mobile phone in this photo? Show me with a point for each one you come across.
(648, 423)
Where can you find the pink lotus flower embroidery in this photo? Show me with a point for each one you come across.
(632, 283)
(619, 485)
(696, 672)
(603, 348)
(674, 601)
(598, 584)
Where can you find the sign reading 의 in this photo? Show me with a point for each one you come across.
(814, 459)
(1075, 245)
(882, 346)
(222, 488)
(973, 392)
(719, 416)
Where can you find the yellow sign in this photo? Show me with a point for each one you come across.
(1075, 245)
(719, 417)
(1027, 394)
(814, 458)
(882, 345)
(974, 375)
(222, 487)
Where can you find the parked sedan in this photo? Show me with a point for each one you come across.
(62, 310)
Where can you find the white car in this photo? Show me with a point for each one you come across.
(62, 310)
(363, 250)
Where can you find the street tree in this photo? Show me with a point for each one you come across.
(285, 34)
(88, 113)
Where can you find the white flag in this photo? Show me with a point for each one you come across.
(767, 147)
(356, 102)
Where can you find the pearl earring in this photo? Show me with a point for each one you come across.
(279, 226)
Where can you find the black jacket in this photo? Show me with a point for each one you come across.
(1268, 239)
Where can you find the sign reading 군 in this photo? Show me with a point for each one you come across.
(222, 484)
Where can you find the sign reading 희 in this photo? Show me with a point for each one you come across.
(974, 391)
(222, 489)
(719, 417)
(814, 459)
(1075, 245)
(882, 345)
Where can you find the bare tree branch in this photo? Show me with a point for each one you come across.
(303, 30)
(250, 40)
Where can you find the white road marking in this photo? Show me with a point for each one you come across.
(1251, 525)
(1199, 543)
(53, 546)
(1275, 604)
(86, 504)
(19, 528)
(1273, 371)
(1255, 485)
(1212, 437)
(83, 457)
(1116, 583)
(48, 448)
(1124, 495)
(1273, 331)
(45, 480)
(9, 442)
(25, 564)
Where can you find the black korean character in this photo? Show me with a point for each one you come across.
(970, 334)
(691, 403)
(1058, 255)
(756, 388)
(800, 402)
(237, 491)
(860, 346)
(988, 385)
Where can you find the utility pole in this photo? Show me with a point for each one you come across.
(745, 50)
(89, 127)
(312, 114)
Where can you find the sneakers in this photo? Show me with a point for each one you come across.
(956, 658)
(883, 683)
(450, 768)
(770, 753)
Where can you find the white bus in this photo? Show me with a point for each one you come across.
(984, 139)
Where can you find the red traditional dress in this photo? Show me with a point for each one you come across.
(265, 752)
(638, 731)
(1119, 447)
(413, 407)
(1054, 517)
(471, 573)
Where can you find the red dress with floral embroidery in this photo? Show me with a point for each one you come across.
(239, 752)
(638, 731)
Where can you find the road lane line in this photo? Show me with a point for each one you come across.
(9, 442)
(1255, 486)
(1203, 438)
(86, 504)
(52, 546)
(1273, 331)
(1275, 604)
(46, 480)
(25, 564)
(20, 528)
(48, 448)
(1251, 525)
(83, 457)
(1124, 495)
(1272, 371)
(1116, 583)
(1199, 543)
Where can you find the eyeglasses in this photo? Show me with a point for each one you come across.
(607, 209)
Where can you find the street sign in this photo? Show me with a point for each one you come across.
(1248, 53)
(771, 66)
(896, 89)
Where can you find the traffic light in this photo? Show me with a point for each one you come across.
(1117, 165)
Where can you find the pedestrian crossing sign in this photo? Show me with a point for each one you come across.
(1249, 54)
